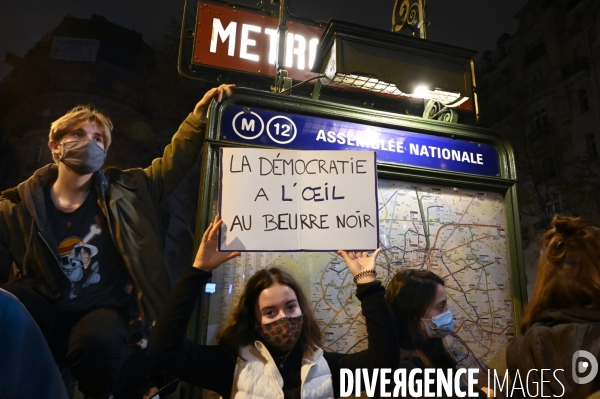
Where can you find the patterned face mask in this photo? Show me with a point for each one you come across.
(282, 334)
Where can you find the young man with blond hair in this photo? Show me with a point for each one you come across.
(83, 238)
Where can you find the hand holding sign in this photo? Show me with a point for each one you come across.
(360, 263)
(207, 257)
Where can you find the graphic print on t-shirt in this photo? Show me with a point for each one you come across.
(77, 263)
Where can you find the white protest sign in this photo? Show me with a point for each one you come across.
(283, 200)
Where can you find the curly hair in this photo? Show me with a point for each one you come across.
(568, 275)
(242, 327)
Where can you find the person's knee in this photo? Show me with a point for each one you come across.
(100, 333)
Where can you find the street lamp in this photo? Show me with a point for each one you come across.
(389, 63)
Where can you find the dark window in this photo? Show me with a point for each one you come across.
(554, 204)
(592, 149)
(563, 105)
(549, 168)
(534, 52)
(584, 106)
(539, 78)
(540, 119)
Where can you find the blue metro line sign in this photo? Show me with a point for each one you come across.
(250, 125)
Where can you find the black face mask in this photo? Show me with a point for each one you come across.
(83, 156)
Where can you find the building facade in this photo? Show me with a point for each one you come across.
(82, 61)
(540, 88)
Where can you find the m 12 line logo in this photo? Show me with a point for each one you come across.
(250, 126)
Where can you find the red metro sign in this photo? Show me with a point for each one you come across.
(243, 41)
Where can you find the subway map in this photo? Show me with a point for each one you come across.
(457, 233)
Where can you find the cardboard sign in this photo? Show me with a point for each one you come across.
(283, 200)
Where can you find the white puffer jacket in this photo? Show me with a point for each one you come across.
(257, 377)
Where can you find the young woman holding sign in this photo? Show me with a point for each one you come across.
(271, 346)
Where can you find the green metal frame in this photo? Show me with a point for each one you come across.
(504, 184)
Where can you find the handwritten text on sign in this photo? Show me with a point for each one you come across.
(286, 200)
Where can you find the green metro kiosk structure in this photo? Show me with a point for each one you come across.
(461, 225)
(446, 195)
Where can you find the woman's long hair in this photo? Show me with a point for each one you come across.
(568, 275)
(410, 293)
(241, 329)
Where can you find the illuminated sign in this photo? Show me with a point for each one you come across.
(287, 130)
(243, 41)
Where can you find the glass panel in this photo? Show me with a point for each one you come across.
(457, 233)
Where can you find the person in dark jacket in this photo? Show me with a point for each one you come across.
(563, 316)
(420, 305)
(82, 238)
(27, 369)
(271, 346)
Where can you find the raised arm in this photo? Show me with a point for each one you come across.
(165, 173)
(208, 366)
(208, 258)
(383, 347)
(361, 265)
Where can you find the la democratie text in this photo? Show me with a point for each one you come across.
(281, 167)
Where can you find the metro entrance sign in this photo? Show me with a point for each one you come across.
(244, 41)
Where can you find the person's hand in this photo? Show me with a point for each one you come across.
(489, 393)
(202, 107)
(207, 257)
(359, 262)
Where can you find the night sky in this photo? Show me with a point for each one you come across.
(474, 24)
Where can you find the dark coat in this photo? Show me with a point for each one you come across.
(128, 198)
(550, 344)
(27, 369)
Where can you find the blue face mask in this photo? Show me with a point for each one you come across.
(444, 325)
